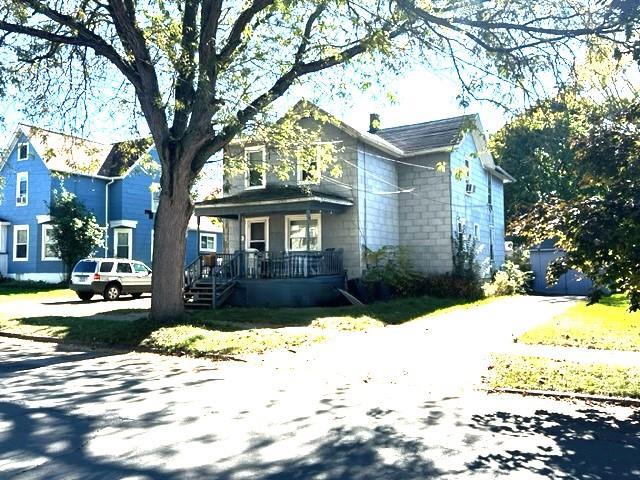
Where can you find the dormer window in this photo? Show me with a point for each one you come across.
(256, 173)
(23, 151)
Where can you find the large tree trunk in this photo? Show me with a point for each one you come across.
(169, 243)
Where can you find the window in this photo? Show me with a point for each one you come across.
(124, 268)
(140, 268)
(22, 188)
(21, 243)
(122, 243)
(256, 176)
(23, 151)
(85, 266)
(490, 189)
(297, 232)
(49, 248)
(155, 196)
(469, 187)
(106, 267)
(310, 173)
(207, 242)
(476, 231)
(257, 233)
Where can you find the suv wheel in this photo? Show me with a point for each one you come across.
(112, 292)
(85, 296)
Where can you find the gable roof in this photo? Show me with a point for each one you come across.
(122, 156)
(66, 153)
(426, 136)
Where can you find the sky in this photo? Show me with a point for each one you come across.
(420, 95)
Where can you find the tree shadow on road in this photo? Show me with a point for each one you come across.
(594, 445)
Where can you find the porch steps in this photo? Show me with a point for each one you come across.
(200, 295)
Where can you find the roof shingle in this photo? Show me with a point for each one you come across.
(428, 135)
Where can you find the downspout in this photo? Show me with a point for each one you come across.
(106, 217)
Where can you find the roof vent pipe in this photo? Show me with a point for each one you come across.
(374, 122)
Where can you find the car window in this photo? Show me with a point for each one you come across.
(139, 268)
(124, 268)
(86, 266)
(106, 267)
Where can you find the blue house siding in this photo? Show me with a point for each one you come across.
(192, 245)
(473, 209)
(39, 197)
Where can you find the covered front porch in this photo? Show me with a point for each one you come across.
(281, 249)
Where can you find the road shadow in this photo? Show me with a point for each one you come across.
(592, 445)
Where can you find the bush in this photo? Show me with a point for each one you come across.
(452, 286)
(509, 280)
(390, 265)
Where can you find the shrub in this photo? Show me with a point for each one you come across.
(452, 286)
(509, 280)
(390, 265)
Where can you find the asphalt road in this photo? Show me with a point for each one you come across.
(394, 403)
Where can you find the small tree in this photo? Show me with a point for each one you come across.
(76, 232)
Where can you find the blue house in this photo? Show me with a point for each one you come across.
(118, 183)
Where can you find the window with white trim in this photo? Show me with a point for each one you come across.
(20, 243)
(207, 242)
(22, 188)
(23, 151)
(49, 247)
(122, 243)
(155, 196)
(296, 232)
(309, 172)
(256, 173)
(257, 233)
(476, 231)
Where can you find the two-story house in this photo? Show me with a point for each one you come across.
(119, 187)
(417, 186)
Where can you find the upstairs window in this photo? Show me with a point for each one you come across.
(23, 151)
(21, 243)
(22, 188)
(155, 196)
(256, 175)
(309, 169)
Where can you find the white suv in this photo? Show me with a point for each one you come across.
(110, 277)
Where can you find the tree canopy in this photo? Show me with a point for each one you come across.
(599, 227)
(75, 231)
(200, 72)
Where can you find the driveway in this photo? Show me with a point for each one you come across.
(394, 403)
(67, 304)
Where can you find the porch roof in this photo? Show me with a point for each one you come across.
(273, 199)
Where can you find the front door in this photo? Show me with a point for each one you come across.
(257, 234)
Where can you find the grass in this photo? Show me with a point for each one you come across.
(230, 331)
(16, 290)
(535, 373)
(607, 325)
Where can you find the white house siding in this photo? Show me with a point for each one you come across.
(378, 206)
(425, 214)
(473, 208)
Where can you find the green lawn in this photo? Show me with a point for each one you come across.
(535, 373)
(11, 290)
(231, 330)
(606, 325)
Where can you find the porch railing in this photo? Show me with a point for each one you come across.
(221, 267)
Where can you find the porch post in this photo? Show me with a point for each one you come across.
(307, 259)
(308, 229)
(198, 235)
